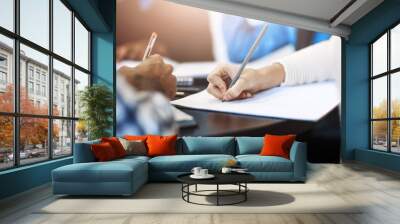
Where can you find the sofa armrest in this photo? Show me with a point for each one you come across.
(83, 152)
(298, 155)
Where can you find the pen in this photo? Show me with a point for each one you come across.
(150, 45)
(249, 54)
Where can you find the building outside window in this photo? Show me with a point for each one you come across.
(57, 127)
(385, 91)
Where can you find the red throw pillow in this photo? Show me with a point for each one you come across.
(135, 137)
(277, 145)
(116, 145)
(103, 152)
(161, 145)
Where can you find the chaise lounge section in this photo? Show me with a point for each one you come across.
(125, 176)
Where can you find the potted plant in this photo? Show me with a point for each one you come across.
(96, 104)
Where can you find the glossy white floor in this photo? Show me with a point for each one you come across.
(379, 189)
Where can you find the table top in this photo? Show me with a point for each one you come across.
(220, 178)
(211, 123)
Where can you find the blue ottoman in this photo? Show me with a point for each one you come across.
(118, 177)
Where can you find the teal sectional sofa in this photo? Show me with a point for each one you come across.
(125, 176)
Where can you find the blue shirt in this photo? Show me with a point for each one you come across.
(239, 36)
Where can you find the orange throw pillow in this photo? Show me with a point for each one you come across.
(116, 145)
(277, 145)
(161, 145)
(103, 152)
(135, 137)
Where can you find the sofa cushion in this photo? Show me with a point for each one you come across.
(161, 145)
(112, 171)
(257, 163)
(207, 145)
(277, 145)
(134, 147)
(185, 163)
(116, 145)
(135, 137)
(103, 152)
(249, 145)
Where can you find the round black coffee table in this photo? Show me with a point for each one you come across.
(238, 179)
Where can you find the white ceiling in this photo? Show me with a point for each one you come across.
(317, 15)
(321, 9)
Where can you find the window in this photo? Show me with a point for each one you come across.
(30, 88)
(37, 75)
(37, 89)
(3, 61)
(44, 91)
(81, 81)
(30, 72)
(34, 21)
(6, 73)
(62, 137)
(3, 78)
(41, 123)
(81, 45)
(3, 72)
(7, 14)
(6, 142)
(62, 74)
(385, 92)
(62, 29)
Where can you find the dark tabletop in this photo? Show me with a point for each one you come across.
(228, 178)
(224, 124)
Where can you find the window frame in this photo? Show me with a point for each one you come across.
(388, 74)
(16, 114)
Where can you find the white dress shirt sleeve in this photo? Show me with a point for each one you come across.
(318, 62)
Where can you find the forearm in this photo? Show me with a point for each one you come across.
(270, 76)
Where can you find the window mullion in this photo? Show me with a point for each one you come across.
(73, 82)
(389, 113)
(50, 81)
(16, 70)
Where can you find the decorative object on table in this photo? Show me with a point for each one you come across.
(239, 180)
(226, 170)
(196, 170)
(231, 163)
(230, 170)
(200, 173)
(96, 103)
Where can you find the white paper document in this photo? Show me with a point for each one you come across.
(308, 102)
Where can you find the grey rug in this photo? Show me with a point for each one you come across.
(166, 198)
